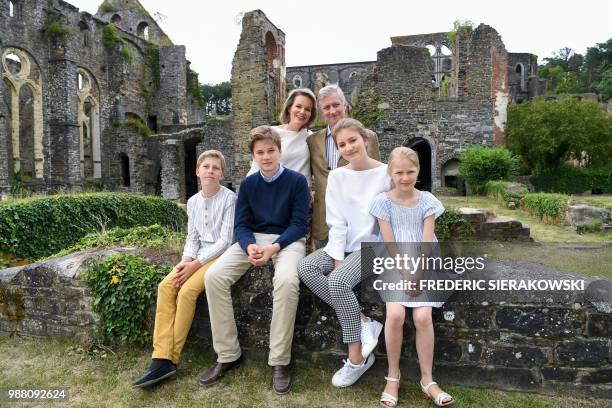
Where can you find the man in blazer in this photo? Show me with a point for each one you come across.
(324, 155)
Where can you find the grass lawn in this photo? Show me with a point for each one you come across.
(539, 231)
(103, 378)
(558, 247)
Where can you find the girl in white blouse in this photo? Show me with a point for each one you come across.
(332, 272)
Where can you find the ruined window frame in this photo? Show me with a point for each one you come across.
(143, 30)
(297, 77)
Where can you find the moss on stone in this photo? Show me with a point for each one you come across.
(54, 28)
(138, 125)
(111, 39)
(366, 109)
(463, 26)
(106, 7)
(193, 84)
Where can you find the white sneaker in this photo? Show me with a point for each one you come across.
(370, 331)
(350, 373)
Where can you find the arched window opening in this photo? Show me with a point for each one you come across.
(13, 63)
(431, 49)
(24, 102)
(297, 81)
(26, 132)
(271, 51)
(445, 50)
(84, 27)
(11, 8)
(352, 74)
(143, 31)
(116, 19)
(521, 71)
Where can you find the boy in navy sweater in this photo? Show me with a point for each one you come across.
(270, 223)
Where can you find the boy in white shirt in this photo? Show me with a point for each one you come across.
(209, 234)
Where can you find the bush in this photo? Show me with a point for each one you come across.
(548, 207)
(123, 287)
(452, 226)
(479, 164)
(151, 236)
(43, 226)
(506, 192)
(568, 179)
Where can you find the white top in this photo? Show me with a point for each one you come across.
(210, 227)
(347, 200)
(295, 154)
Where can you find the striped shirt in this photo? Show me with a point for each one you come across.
(406, 222)
(210, 227)
(331, 150)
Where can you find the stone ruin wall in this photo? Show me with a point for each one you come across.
(547, 342)
(118, 88)
(258, 83)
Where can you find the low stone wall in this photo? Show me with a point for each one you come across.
(531, 341)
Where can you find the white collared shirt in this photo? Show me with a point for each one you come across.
(210, 227)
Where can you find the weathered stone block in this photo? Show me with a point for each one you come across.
(599, 325)
(583, 352)
(603, 376)
(540, 321)
(516, 356)
(559, 374)
(447, 351)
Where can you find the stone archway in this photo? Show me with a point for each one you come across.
(423, 149)
(23, 80)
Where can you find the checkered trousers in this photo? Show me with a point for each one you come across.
(336, 288)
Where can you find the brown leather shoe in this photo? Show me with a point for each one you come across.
(217, 371)
(281, 379)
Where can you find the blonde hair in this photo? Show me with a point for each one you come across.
(286, 118)
(403, 152)
(350, 123)
(211, 153)
(264, 132)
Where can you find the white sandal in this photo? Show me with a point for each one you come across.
(440, 397)
(386, 397)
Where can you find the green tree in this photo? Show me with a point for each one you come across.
(604, 87)
(559, 80)
(547, 133)
(597, 62)
(217, 98)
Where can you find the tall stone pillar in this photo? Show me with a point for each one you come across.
(63, 124)
(172, 155)
(172, 90)
(4, 143)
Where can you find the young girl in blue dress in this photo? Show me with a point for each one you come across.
(408, 215)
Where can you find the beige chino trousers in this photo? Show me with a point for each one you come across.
(226, 271)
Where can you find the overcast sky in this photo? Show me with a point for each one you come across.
(323, 32)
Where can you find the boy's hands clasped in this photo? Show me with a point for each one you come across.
(259, 256)
(184, 270)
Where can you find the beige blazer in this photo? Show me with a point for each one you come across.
(320, 171)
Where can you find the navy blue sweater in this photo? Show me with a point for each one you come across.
(279, 207)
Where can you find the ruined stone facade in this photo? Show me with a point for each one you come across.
(79, 91)
(438, 93)
(75, 105)
(258, 83)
